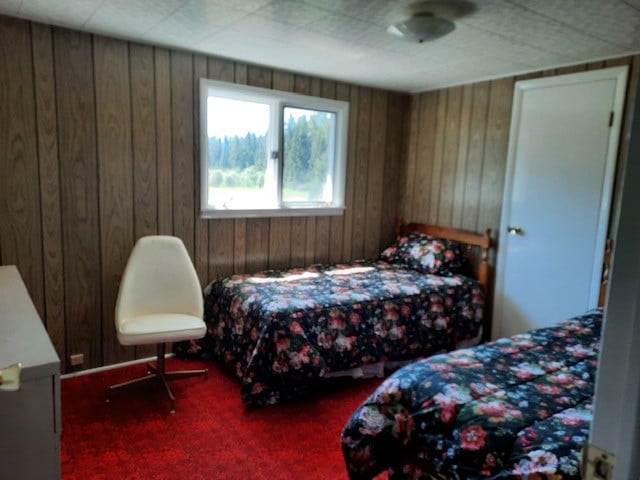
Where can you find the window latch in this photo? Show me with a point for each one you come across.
(274, 154)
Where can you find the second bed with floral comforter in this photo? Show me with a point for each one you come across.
(519, 407)
(280, 331)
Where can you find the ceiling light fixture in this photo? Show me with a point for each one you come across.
(428, 20)
(422, 27)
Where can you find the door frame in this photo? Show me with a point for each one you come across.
(619, 74)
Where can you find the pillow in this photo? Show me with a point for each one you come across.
(437, 256)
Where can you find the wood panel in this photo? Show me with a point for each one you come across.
(438, 157)
(162, 67)
(425, 116)
(457, 199)
(20, 228)
(461, 137)
(396, 111)
(375, 172)
(113, 129)
(201, 241)
(496, 144)
(279, 242)
(47, 126)
(475, 156)
(79, 194)
(323, 232)
(347, 230)
(361, 172)
(451, 146)
(406, 195)
(143, 131)
(182, 153)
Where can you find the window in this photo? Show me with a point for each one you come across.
(269, 153)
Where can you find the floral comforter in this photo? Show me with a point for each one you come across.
(281, 331)
(519, 407)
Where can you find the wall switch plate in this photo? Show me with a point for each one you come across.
(598, 464)
(77, 359)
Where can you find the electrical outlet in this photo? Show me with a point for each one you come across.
(77, 359)
(598, 463)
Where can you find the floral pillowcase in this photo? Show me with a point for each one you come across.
(436, 256)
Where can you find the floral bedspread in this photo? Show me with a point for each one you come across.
(516, 408)
(280, 331)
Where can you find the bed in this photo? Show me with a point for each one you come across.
(519, 407)
(281, 332)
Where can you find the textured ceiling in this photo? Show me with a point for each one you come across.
(347, 39)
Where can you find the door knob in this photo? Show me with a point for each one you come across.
(515, 230)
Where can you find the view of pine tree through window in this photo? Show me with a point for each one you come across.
(238, 153)
(308, 151)
(264, 154)
(238, 164)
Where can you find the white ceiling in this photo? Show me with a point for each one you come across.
(347, 39)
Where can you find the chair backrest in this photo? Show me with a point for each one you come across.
(159, 278)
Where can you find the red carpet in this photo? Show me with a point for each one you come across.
(211, 436)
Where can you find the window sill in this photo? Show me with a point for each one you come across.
(276, 212)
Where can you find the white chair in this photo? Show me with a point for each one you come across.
(160, 300)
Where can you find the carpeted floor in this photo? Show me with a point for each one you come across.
(211, 436)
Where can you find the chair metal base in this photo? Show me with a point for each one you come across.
(160, 375)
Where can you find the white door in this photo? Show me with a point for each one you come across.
(560, 167)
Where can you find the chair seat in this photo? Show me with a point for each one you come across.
(159, 328)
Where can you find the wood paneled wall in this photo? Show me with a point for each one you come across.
(99, 145)
(457, 141)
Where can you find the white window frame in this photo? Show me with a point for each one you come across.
(278, 100)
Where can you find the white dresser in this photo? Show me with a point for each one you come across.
(30, 421)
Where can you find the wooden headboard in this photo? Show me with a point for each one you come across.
(480, 269)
